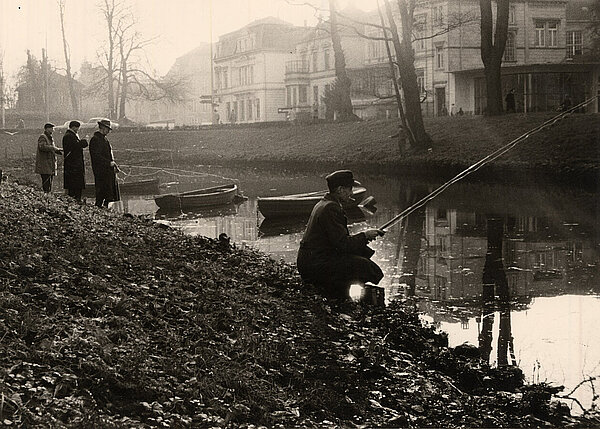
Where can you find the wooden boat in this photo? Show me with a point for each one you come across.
(141, 187)
(298, 205)
(274, 226)
(208, 197)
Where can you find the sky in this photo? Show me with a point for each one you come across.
(178, 26)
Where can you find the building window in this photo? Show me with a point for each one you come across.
(540, 33)
(249, 102)
(316, 94)
(552, 34)
(294, 96)
(242, 115)
(546, 34)
(574, 43)
(303, 94)
(326, 59)
(258, 108)
(511, 47)
(315, 61)
(438, 15)
(439, 57)
(512, 15)
(421, 80)
(289, 96)
(224, 81)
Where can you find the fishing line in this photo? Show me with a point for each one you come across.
(172, 171)
(492, 156)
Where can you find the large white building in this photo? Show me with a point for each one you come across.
(249, 70)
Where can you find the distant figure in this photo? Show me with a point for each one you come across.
(315, 112)
(460, 112)
(74, 169)
(510, 101)
(452, 110)
(566, 104)
(104, 166)
(45, 157)
(20, 124)
(329, 257)
(232, 116)
(444, 111)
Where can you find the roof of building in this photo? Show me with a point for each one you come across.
(269, 33)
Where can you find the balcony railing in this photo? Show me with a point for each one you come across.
(296, 66)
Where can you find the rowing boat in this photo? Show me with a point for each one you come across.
(298, 205)
(207, 197)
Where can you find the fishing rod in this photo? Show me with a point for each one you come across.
(492, 156)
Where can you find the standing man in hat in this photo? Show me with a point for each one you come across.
(104, 166)
(74, 169)
(45, 157)
(329, 257)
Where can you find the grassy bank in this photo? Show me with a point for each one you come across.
(115, 321)
(570, 148)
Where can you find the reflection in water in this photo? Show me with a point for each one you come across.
(495, 291)
(532, 266)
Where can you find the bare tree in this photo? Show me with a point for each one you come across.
(70, 80)
(342, 85)
(2, 92)
(113, 11)
(406, 69)
(125, 76)
(492, 51)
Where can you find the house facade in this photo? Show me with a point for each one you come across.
(310, 74)
(544, 62)
(249, 70)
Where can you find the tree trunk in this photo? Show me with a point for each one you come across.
(492, 51)
(344, 108)
(403, 124)
(124, 90)
(74, 103)
(408, 76)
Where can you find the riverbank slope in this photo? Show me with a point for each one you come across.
(113, 320)
(568, 150)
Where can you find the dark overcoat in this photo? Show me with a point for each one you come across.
(105, 179)
(329, 256)
(74, 168)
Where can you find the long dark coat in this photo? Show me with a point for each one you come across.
(105, 179)
(329, 256)
(74, 168)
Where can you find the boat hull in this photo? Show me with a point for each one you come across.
(209, 197)
(300, 205)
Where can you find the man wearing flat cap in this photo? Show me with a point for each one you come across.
(329, 257)
(45, 157)
(74, 168)
(103, 166)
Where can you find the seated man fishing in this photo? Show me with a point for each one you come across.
(329, 257)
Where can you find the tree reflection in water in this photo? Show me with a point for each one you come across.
(496, 296)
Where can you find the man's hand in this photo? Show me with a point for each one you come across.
(372, 234)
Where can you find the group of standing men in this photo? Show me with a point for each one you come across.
(103, 164)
